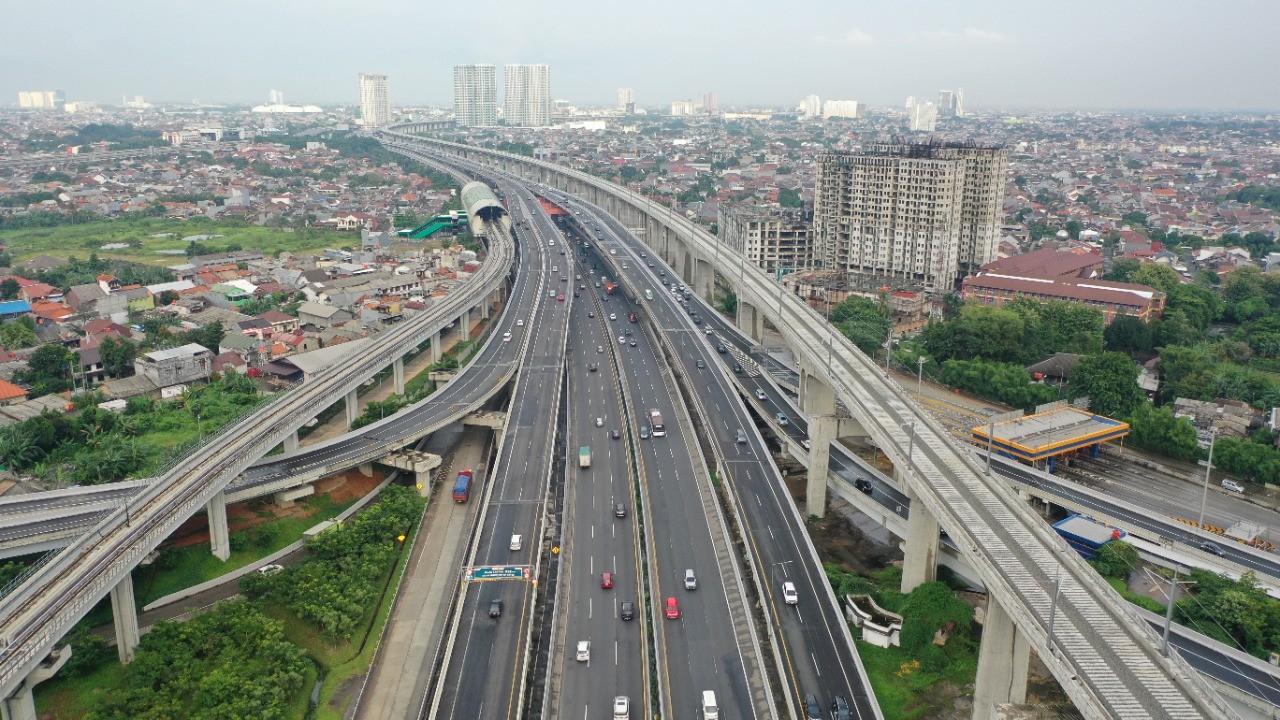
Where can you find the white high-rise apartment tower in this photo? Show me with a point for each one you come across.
(922, 214)
(811, 106)
(627, 100)
(375, 102)
(528, 98)
(475, 95)
(840, 109)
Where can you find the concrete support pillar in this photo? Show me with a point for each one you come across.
(353, 407)
(751, 321)
(291, 441)
(125, 612)
(484, 308)
(920, 561)
(1002, 663)
(397, 374)
(366, 469)
(436, 353)
(464, 325)
(219, 533)
(21, 704)
(423, 481)
(822, 431)
(818, 401)
(704, 280)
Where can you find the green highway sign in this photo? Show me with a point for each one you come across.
(486, 573)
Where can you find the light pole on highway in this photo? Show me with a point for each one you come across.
(1208, 467)
(911, 444)
(774, 567)
(920, 361)
(991, 436)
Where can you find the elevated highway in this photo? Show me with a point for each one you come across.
(55, 595)
(1105, 658)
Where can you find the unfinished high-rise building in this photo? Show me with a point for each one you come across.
(777, 241)
(925, 214)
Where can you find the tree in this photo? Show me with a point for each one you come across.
(49, 370)
(1159, 277)
(980, 331)
(863, 321)
(1115, 559)
(117, 357)
(1128, 334)
(1110, 381)
(1122, 270)
(1135, 218)
(9, 289)
(789, 198)
(19, 333)
(1158, 430)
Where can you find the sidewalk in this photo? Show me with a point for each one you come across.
(336, 426)
(403, 666)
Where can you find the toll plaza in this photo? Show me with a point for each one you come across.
(1045, 438)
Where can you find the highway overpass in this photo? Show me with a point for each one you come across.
(1105, 658)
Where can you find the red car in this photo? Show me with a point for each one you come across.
(606, 580)
(560, 297)
(673, 609)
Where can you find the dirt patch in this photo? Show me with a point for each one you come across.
(346, 692)
(340, 488)
(837, 539)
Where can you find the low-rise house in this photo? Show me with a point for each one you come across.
(321, 316)
(185, 364)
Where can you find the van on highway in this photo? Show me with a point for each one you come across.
(710, 711)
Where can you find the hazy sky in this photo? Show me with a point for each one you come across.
(1168, 54)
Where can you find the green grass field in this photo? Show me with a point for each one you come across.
(81, 240)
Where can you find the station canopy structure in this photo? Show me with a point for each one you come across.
(1055, 431)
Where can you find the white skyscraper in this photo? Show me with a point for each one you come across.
(922, 116)
(528, 98)
(475, 95)
(959, 102)
(275, 97)
(840, 109)
(375, 102)
(811, 106)
(627, 100)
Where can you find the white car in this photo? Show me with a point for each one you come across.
(520, 322)
(584, 651)
(789, 595)
(613, 316)
(599, 422)
(506, 337)
(271, 569)
(621, 708)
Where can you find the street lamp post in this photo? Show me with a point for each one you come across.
(920, 361)
(774, 567)
(911, 443)
(991, 434)
(1208, 467)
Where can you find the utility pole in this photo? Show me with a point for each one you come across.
(920, 361)
(1208, 467)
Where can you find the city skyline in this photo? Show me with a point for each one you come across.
(1097, 56)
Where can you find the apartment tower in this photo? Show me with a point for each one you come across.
(475, 95)
(921, 214)
(375, 102)
(528, 98)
